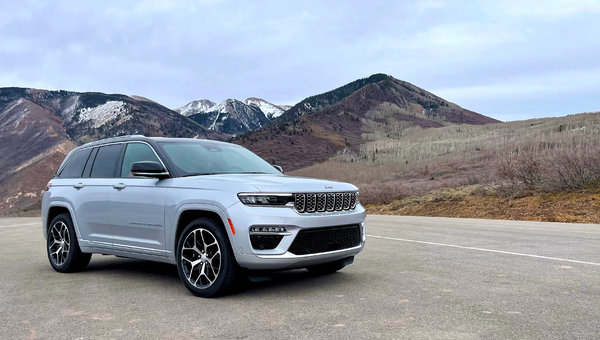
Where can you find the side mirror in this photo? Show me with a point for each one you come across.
(149, 169)
(278, 168)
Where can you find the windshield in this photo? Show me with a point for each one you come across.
(200, 158)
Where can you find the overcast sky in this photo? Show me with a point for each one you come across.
(509, 60)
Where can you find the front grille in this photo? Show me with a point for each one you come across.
(320, 202)
(262, 242)
(320, 240)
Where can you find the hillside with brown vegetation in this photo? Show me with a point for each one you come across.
(409, 151)
(576, 206)
(341, 120)
(39, 127)
(535, 169)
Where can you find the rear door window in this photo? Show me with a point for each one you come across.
(107, 159)
(136, 152)
(74, 167)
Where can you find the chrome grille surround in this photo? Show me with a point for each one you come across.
(339, 200)
(325, 202)
(300, 202)
(321, 198)
(311, 202)
(330, 201)
(346, 204)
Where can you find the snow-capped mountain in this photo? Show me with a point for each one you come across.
(197, 106)
(270, 110)
(232, 117)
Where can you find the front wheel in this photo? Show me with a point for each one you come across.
(205, 261)
(63, 248)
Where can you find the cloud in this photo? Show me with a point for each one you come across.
(177, 51)
(559, 83)
(549, 10)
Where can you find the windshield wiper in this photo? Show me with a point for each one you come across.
(203, 174)
(223, 173)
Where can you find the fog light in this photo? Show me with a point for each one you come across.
(267, 229)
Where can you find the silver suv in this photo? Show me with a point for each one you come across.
(214, 209)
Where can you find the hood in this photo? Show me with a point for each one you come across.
(267, 183)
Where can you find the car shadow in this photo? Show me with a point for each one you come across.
(133, 267)
(257, 284)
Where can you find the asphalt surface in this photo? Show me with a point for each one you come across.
(418, 277)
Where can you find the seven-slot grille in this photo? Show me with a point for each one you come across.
(320, 201)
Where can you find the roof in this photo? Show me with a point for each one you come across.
(132, 138)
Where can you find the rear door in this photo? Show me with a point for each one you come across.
(94, 200)
(69, 186)
(138, 204)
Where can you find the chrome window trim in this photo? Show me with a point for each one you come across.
(120, 142)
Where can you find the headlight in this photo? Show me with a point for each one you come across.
(265, 199)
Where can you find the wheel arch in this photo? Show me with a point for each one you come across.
(57, 208)
(188, 213)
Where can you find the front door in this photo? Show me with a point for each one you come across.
(138, 205)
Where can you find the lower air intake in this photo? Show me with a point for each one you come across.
(264, 242)
(321, 240)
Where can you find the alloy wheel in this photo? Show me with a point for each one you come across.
(60, 243)
(201, 258)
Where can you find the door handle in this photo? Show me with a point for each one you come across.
(78, 186)
(119, 186)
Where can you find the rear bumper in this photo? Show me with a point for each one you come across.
(280, 258)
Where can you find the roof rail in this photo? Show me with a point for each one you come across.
(117, 138)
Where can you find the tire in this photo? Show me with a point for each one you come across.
(205, 260)
(330, 267)
(61, 235)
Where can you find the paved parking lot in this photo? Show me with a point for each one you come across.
(418, 277)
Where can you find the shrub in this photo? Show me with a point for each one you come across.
(553, 169)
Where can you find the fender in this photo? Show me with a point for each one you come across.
(199, 206)
(64, 204)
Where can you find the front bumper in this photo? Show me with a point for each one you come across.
(243, 217)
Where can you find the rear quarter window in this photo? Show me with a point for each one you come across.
(75, 165)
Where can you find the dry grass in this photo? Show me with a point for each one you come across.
(581, 206)
(419, 161)
(542, 170)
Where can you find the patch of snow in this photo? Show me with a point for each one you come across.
(8, 118)
(21, 116)
(270, 110)
(70, 111)
(19, 102)
(221, 107)
(197, 106)
(102, 114)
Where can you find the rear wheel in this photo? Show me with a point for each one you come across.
(63, 248)
(205, 261)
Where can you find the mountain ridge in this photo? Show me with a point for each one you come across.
(232, 116)
(336, 120)
(39, 127)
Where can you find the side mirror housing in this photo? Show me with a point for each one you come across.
(149, 169)
(278, 168)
